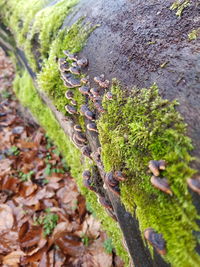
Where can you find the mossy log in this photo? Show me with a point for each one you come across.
(145, 45)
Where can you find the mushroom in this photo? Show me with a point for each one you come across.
(75, 70)
(94, 91)
(104, 84)
(61, 61)
(69, 94)
(88, 183)
(85, 80)
(71, 109)
(77, 128)
(119, 176)
(104, 202)
(86, 174)
(100, 78)
(89, 115)
(77, 142)
(84, 90)
(92, 127)
(86, 151)
(72, 56)
(68, 85)
(156, 240)
(81, 137)
(63, 67)
(83, 109)
(115, 190)
(83, 62)
(156, 165)
(194, 184)
(110, 180)
(162, 184)
(73, 102)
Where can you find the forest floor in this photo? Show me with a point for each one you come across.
(44, 220)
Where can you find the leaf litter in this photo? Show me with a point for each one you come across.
(43, 217)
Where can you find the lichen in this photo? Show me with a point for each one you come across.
(28, 96)
(179, 6)
(136, 128)
(193, 35)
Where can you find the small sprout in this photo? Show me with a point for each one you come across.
(119, 176)
(24, 177)
(104, 202)
(49, 222)
(156, 240)
(83, 62)
(194, 184)
(92, 127)
(85, 240)
(71, 109)
(84, 90)
(162, 184)
(69, 94)
(13, 151)
(77, 128)
(86, 151)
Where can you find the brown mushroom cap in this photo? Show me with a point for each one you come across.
(154, 167)
(77, 128)
(81, 137)
(75, 70)
(85, 80)
(86, 151)
(71, 109)
(87, 174)
(194, 184)
(92, 127)
(88, 183)
(104, 84)
(83, 62)
(69, 94)
(102, 200)
(94, 91)
(77, 142)
(156, 240)
(115, 190)
(84, 90)
(73, 102)
(119, 176)
(89, 115)
(162, 184)
(83, 109)
(110, 180)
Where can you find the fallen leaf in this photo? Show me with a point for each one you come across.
(6, 217)
(13, 258)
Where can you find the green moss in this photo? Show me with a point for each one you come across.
(49, 78)
(28, 96)
(179, 6)
(135, 129)
(193, 35)
(34, 23)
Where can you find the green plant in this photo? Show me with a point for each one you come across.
(5, 94)
(85, 240)
(108, 246)
(49, 221)
(13, 151)
(24, 177)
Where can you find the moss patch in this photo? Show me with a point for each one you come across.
(194, 34)
(135, 129)
(34, 23)
(28, 96)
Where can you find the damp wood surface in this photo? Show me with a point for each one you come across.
(139, 43)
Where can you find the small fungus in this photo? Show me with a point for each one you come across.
(86, 151)
(92, 127)
(71, 109)
(105, 203)
(156, 240)
(162, 184)
(119, 176)
(77, 128)
(83, 62)
(69, 94)
(84, 90)
(194, 184)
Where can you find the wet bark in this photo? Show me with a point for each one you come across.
(138, 42)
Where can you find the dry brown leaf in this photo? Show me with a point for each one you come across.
(13, 258)
(6, 217)
(91, 227)
(5, 166)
